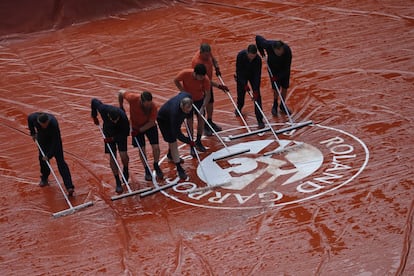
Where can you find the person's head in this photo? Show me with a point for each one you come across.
(186, 105)
(200, 71)
(251, 52)
(43, 120)
(113, 115)
(205, 51)
(278, 47)
(146, 99)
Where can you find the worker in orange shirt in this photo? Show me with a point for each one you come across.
(197, 84)
(143, 115)
(204, 56)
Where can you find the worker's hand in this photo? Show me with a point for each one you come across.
(108, 139)
(95, 121)
(223, 87)
(262, 53)
(218, 73)
(246, 88)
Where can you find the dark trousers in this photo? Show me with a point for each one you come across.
(62, 167)
(241, 93)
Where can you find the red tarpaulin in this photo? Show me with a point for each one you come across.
(340, 205)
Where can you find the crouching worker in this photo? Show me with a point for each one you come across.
(170, 117)
(45, 129)
(116, 131)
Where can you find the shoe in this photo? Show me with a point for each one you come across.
(182, 175)
(282, 109)
(274, 110)
(260, 125)
(119, 188)
(148, 175)
(207, 131)
(43, 183)
(71, 191)
(159, 173)
(215, 127)
(200, 146)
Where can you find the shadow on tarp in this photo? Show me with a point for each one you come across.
(27, 16)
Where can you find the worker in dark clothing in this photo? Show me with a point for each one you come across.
(279, 59)
(45, 129)
(170, 117)
(249, 69)
(116, 131)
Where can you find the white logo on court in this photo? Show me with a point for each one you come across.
(244, 170)
(327, 160)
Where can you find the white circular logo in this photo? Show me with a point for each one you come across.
(315, 160)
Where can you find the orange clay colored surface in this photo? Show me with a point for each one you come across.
(341, 204)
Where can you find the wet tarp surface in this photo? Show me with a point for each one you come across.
(349, 212)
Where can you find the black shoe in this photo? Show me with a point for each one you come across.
(182, 175)
(207, 131)
(215, 127)
(260, 125)
(282, 109)
(119, 188)
(148, 175)
(43, 183)
(200, 146)
(159, 173)
(274, 110)
(71, 191)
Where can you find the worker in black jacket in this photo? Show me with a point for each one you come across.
(279, 59)
(44, 128)
(116, 131)
(170, 117)
(249, 70)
